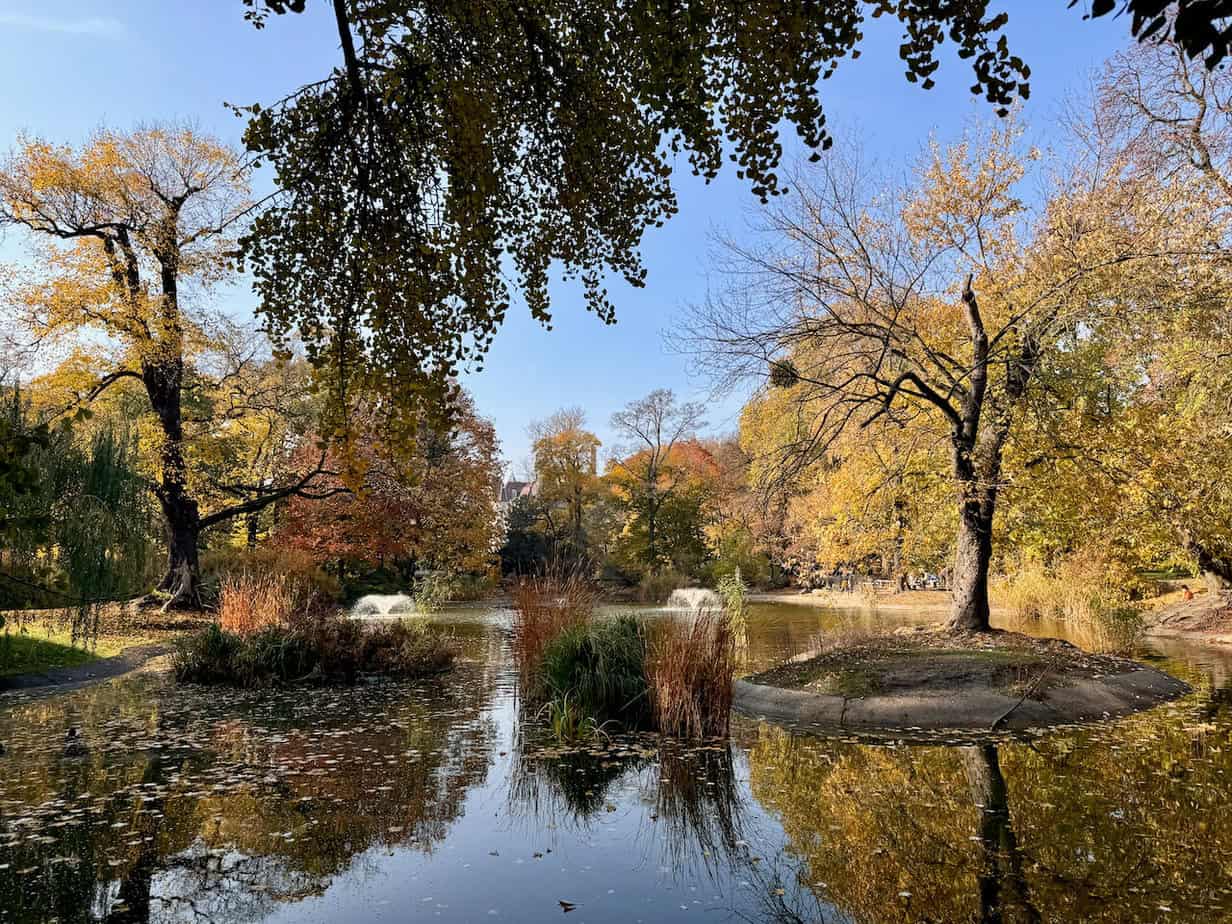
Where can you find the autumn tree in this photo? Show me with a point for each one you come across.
(434, 507)
(652, 428)
(1164, 119)
(946, 300)
(566, 473)
(125, 229)
(461, 151)
(674, 534)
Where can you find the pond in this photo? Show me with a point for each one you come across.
(429, 801)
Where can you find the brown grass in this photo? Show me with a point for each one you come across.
(544, 608)
(689, 671)
(250, 602)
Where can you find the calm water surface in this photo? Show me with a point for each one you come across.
(430, 801)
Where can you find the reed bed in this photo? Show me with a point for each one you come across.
(544, 608)
(689, 672)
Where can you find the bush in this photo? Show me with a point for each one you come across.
(689, 674)
(599, 669)
(329, 648)
(656, 588)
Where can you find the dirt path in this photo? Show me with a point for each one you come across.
(62, 679)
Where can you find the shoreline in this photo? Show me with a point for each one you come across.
(64, 679)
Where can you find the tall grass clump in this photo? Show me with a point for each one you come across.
(599, 668)
(1089, 591)
(544, 608)
(734, 593)
(250, 602)
(689, 672)
(657, 586)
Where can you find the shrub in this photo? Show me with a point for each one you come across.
(656, 588)
(329, 648)
(600, 669)
(545, 607)
(690, 665)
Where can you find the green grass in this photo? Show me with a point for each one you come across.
(35, 653)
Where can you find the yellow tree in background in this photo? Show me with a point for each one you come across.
(128, 231)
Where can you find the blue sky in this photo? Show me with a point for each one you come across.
(69, 67)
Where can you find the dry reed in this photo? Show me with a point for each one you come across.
(251, 602)
(544, 608)
(689, 672)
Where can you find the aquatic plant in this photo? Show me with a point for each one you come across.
(732, 589)
(544, 607)
(570, 723)
(689, 674)
(600, 669)
(250, 602)
(328, 648)
(432, 591)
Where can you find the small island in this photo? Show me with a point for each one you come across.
(938, 678)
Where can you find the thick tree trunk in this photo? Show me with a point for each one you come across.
(1001, 878)
(972, 556)
(183, 577)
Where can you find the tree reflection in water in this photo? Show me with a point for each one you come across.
(1001, 880)
(1105, 823)
(190, 805)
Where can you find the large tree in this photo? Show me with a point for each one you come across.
(434, 507)
(652, 428)
(946, 300)
(566, 474)
(126, 230)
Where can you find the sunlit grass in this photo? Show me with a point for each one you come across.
(36, 651)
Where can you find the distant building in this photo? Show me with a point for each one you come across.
(512, 490)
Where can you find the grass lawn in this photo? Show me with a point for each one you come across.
(37, 650)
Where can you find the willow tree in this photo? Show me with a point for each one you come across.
(124, 230)
(946, 301)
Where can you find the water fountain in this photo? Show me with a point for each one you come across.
(695, 599)
(382, 606)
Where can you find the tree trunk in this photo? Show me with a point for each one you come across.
(1001, 879)
(1216, 570)
(253, 525)
(183, 578)
(972, 556)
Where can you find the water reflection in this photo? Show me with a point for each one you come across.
(436, 799)
(217, 806)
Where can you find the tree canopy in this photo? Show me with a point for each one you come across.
(461, 153)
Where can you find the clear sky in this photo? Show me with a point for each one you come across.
(69, 66)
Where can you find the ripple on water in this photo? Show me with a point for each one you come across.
(387, 799)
